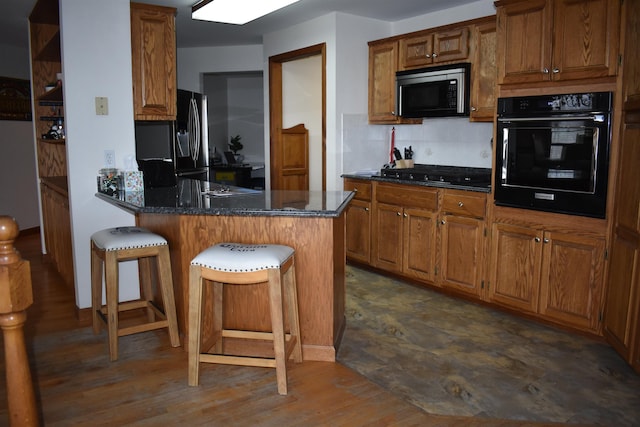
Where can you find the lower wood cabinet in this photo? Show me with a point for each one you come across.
(556, 275)
(57, 231)
(404, 230)
(358, 221)
(462, 241)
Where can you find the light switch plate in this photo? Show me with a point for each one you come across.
(102, 105)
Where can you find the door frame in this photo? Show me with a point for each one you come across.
(275, 107)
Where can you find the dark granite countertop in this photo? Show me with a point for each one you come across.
(454, 186)
(192, 197)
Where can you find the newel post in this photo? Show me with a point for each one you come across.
(15, 297)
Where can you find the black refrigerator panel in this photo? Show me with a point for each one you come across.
(191, 143)
(154, 140)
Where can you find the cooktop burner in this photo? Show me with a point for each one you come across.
(475, 177)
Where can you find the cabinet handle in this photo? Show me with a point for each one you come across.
(556, 70)
(460, 204)
(435, 55)
(355, 190)
(443, 222)
(546, 240)
(398, 214)
(545, 70)
(366, 209)
(474, 109)
(405, 215)
(537, 239)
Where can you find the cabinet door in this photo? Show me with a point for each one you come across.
(585, 42)
(524, 44)
(461, 253)
(419, 251)
(416, 51)
(388, 228)
(153, 45)
(516, 255)
(623, 294)
(383, 64)
(358, 218)
(572, 279)
(483, 69)
(451, 45)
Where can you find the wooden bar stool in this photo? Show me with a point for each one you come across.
(245, 264)
(112, 245)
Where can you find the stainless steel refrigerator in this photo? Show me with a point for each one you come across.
(192, 142)
(169, 149)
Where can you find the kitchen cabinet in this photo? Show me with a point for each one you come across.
(425, 49)
(57, 226)
(622, 309)
(448, 44)
(462, 241)
(482, 99)
(383, 64)
(404, 230)
(46, 64)
(358, 220)
(153, 53)
(557, 275)
(556, 40)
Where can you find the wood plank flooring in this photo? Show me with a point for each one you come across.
(77, 385)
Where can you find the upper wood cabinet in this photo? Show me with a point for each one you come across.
(557, 40)
(383, 64)
(448, 44)
(153, 49)
(482, 99)
(434, 48)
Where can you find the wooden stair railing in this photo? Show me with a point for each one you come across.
(15, 297)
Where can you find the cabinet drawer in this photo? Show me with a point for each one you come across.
(464, 203)
(407, 196)
(361, 188)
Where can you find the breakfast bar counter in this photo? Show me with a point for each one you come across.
(194, 215)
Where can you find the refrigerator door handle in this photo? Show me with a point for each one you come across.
(194, 130)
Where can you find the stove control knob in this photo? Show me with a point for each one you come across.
(411, 177)
(460, 204)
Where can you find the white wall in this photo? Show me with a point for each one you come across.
(193, 62)
(18, 198)
(96, 61)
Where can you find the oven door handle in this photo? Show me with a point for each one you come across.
(594, 117)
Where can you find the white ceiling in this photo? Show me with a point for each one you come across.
(14, 15)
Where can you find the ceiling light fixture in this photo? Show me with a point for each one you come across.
(235, 11)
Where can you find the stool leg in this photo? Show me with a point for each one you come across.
(146, 288)
(218, 310)
(195, 322)
(294, 317)
(111, 290)
(277, 325)
(166, 287)
(96, 288)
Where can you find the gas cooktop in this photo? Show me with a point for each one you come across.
(468, 176)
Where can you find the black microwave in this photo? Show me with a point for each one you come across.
(441, 91)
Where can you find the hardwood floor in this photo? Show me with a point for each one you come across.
(77, 385)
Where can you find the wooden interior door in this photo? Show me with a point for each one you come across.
(293, 151)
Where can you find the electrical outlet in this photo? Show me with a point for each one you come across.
(109, 158)
(102, 105)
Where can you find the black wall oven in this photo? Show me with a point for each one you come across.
(553, 153)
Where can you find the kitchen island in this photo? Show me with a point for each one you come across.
(194, 215)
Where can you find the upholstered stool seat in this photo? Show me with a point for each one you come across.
(108, 248)
(245, 264)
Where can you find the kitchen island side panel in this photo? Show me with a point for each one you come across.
(320, 271)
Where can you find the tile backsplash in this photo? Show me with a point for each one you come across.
(441, 141)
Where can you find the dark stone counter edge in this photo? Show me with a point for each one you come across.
(225, 211)
(419, 183)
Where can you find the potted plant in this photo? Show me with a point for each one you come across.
(235, 145)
